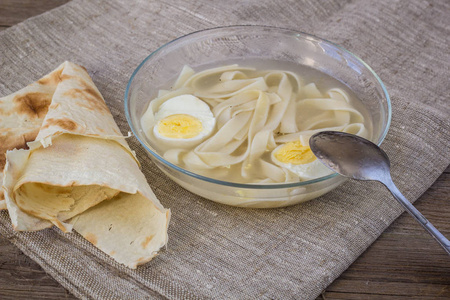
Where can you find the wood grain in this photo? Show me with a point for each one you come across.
(15, 11)
(404, 263)
(22, 278)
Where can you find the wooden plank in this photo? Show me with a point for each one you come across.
(405, 261)
(22, 278)
(367, 287)
(349, 296)
(15, 11)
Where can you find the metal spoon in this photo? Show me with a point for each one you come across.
(358, 158)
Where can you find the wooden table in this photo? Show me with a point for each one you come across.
(405, 262)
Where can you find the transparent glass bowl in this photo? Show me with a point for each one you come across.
(208, 47)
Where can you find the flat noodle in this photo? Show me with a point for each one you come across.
(255, 111)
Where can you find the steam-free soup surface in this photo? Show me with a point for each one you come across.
(250, 125)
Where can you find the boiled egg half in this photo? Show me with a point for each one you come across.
(183, 121)
(299, 160)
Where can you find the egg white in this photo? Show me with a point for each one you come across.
(185, 105)
(308, 171)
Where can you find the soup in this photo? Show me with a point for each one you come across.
(250, 124)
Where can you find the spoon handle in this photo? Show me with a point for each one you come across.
(440, 238)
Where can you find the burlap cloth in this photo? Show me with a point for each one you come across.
(216, 251)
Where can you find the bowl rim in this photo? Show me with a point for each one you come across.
(250, 185)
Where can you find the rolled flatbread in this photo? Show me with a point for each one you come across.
(21, 116)
(80, 173)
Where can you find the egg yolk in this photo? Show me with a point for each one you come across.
(180, 126)
(295, 153)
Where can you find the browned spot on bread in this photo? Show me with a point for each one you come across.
(2, 196)
(58, 224)
(35, 105)
(99, 129)
(79, 79)
(10, 141)
(112, 253)
(74, 183)
(91, 99)
(53, 105)
(146, 241)
(2, 162)
(91, 238)
(65, 77)
(66, 124)
(94, 94)
(116, 131)
(51, 79)
(20, 201)
(82, 68)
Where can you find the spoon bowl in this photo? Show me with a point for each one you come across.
(350, 155)
(357, 158)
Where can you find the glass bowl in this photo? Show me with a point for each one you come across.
(241, 43)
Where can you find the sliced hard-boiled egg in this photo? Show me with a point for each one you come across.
(183, 121)
(299, 160)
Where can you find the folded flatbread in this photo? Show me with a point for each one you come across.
(75, 170)
(21, 116)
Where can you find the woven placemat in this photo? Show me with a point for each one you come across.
(216, 251)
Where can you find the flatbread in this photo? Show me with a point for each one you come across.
(80, 173)
(22, 114)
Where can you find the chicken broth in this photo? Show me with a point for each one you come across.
(251, 122)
